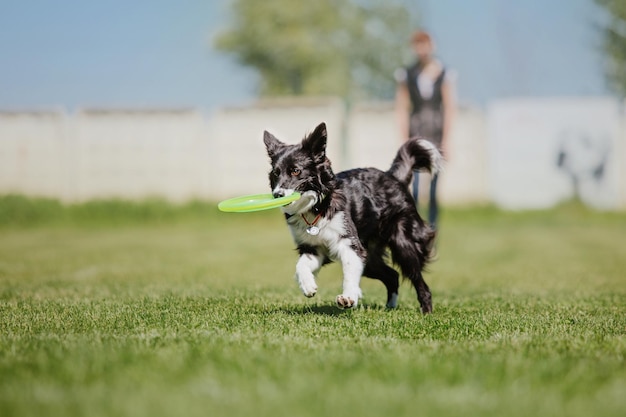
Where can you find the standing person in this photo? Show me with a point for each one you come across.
(425, 107)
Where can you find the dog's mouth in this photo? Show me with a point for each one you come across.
(306, 201)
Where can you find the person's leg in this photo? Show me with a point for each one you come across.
(433, 206)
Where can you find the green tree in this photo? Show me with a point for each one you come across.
(348, 48)
(614, 43)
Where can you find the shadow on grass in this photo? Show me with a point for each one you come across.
(329, 309)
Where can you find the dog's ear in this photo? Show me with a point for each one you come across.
(315, 143)
(272, 144)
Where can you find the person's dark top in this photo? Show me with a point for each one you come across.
(426, 118)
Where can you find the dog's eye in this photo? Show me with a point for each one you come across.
(295, 172)
(276, 172)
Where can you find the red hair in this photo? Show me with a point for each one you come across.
(421, 36)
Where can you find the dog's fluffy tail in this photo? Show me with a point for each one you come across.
(414, 155)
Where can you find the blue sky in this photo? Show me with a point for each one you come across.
(157, 53)
(503, 48)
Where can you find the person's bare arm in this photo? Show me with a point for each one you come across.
(403, 109)
(448, 95)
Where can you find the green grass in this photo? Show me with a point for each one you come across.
(148, 309)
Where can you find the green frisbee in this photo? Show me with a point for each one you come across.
(256, 202)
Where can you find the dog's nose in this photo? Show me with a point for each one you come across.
(278, 194)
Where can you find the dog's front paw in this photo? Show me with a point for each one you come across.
(308, 287)
(344, 301)
(310, 293)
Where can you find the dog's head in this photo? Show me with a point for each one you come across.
(303, 168)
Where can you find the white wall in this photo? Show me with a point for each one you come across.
(32, 153)
(527, 137)
(508, 155)
(137, 154)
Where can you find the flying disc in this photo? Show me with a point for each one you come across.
(256, 202)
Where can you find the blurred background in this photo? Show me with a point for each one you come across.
(169, 99)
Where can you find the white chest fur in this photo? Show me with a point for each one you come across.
(329, 233)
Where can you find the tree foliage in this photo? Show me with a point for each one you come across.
(324, 47)
(614, 42)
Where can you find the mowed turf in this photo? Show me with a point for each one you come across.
(119, 309)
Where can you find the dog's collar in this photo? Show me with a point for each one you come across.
(314, 222)
(312, 227)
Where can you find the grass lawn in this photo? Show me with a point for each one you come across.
(118, 309)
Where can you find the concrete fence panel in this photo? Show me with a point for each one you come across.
(33, 147)
(546, 150)
(524, 153)
(138, 154)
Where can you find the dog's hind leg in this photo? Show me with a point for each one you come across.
(412, 269)
(377, 268)
(423, 293)
(410, 252)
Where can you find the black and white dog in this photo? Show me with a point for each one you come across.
(354, 216)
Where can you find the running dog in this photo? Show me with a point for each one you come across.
(355, 216)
